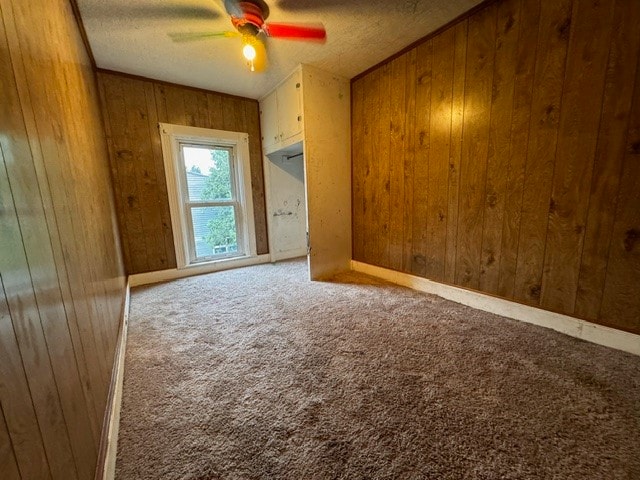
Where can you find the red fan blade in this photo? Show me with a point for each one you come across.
(315, 32)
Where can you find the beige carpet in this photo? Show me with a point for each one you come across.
(258, 374)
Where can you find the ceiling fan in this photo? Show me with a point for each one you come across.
(248, 17)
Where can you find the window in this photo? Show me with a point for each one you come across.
(209, 188)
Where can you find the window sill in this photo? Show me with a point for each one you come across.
(217, 261)
(197, 269)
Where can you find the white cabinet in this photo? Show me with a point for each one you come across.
(289, 96)
(269, 121)
(308, 116)
(281, 115)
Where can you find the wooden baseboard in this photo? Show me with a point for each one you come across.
(591, 332)
(106, 467)
(175, 273)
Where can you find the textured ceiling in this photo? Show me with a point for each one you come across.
(132, 36)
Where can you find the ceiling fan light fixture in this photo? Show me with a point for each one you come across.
(249, 52)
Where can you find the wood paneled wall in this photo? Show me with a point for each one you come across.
(503, 155)
(60, 262)
(132, 108)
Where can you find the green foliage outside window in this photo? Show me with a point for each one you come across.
(222, 228)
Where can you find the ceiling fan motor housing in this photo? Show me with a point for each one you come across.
(252, 20)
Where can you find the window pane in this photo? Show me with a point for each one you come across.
(208, 172)
(214, 231)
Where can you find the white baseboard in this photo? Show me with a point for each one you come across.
(106, 468)
(114, 424)
(174, 273)
(591, 332)
(297, 253)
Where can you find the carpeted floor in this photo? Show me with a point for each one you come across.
(258, 374)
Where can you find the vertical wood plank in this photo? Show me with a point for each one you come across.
(518, 144)
(396, 173)
(409, 159)
(8, 463)
(216, 118)
(578, 131)
(439, 153)
(174, 105)
(252, 122)
(621, 297)
(421, 160)
(241, 121)
(382, 167)
(19, 411)
(553, 38)
(161, 198)
(375, 194)
(191, 110)
(370, 194)
(230, 120)
(358, 166)
(457, 122)
(202, 104)
(160, 95)
(504, 71)
(610, 151)
(475, 143)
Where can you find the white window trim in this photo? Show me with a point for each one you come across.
(171, 137)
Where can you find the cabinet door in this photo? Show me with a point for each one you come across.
(269, 120)
(290, 107)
